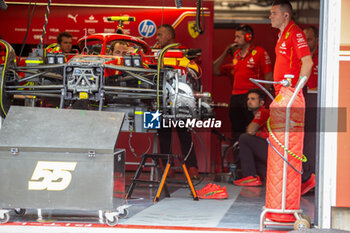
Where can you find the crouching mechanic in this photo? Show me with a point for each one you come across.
(252, 143)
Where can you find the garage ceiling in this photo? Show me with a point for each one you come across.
(257, 11)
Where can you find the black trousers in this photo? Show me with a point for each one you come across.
(239, 115)
(185, 138)
(310, 135)
(253, 155)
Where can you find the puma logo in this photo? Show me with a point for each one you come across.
(70, 16)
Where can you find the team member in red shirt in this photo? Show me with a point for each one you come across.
(249, 61)
(292, 51)
(252, 144)
(311, 34)
(292, 57)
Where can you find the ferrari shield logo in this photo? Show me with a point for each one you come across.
(192, 29)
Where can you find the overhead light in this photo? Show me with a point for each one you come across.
(224, 3)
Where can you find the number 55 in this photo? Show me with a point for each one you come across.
(53, 176)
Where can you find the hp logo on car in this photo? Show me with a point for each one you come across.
(147, 28)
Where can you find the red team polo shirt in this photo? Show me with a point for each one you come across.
(227, 70)
(290, 48)
(312, 82)
(255, 65)
(261, 119)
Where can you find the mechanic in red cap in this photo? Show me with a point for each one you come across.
(249, 61)
(292, 57)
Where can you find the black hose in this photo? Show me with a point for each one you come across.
(268, 141)
(198, 15)
(29, 22)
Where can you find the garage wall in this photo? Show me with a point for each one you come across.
(343, 159)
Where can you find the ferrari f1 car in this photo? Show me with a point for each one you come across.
(136, 82)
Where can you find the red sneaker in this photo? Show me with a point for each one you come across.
(215, 194)
(248, 181)
(208, 188)
(308, 185)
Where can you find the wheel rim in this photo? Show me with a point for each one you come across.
(5, 219)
